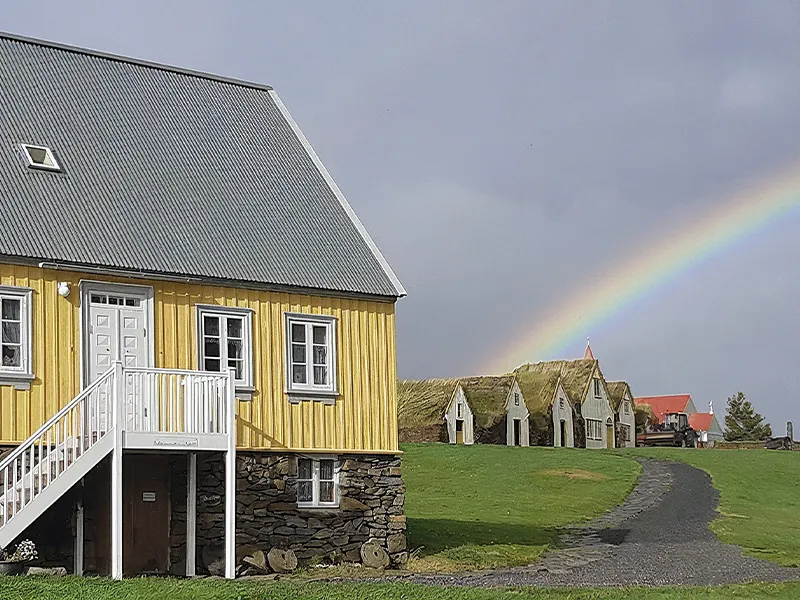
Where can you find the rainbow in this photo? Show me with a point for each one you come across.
(630, 280)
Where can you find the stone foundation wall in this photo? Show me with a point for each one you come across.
(371, 499)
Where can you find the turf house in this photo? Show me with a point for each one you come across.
(434, 410)
(484, 410)
(198, 350)
(585, 388)
(552, 420)
(621, 398)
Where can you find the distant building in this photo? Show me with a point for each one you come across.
(707, 427)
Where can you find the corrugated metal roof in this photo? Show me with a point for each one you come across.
(169, 171)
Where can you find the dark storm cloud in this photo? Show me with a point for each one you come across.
(501, 153)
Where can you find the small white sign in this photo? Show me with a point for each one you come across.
(187, 442)
(148, 496)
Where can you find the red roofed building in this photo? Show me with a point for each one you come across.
(707, 427)
(664, 405)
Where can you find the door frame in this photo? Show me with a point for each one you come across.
(145, 292)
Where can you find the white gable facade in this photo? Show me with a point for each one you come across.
(460, 421)
(597, 414)
(563, 424)
(517, 421)
(627, 420)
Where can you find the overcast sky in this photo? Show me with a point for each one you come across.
(504, 154)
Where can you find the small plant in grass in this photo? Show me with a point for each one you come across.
(25, 552)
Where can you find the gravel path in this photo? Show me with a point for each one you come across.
(658, 536)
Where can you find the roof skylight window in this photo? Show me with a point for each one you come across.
(40, 157)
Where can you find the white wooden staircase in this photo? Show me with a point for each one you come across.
(155, 409)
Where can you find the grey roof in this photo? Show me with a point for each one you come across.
(169, 171)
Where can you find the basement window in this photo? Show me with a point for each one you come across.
(317, 482)
(40, 157)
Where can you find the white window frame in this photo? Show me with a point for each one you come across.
(49, 156)
(626, 408)
(245, 384)
(591, 435)
(22, 374)
(329, 389)
(516, 398)
(315, 481)
(597, 389)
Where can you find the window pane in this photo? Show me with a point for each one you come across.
(320, 375)
(211, 347)
(212, 364)
(238, 365)
(304, 493)
(326, 491)
(112, 300)
(298, 353)
(11, 309)
(235, 349)
(320, 355)
(304, 468)
(11, 332)
(298, 332)
(12, 357)
(98, 299)
(234, 327)
(299, 373)
(326, 470)
(320, 334)
(211, 325)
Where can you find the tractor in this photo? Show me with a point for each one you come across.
(674, 431)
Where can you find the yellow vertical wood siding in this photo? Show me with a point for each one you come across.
(362, 418)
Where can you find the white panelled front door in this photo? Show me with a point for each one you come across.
(116, 330)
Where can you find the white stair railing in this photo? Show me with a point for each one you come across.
(175, 401)
(150, 401)
(49, 452)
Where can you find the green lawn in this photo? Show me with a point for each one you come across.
(487, 506)
(77, 588)
(759, 497)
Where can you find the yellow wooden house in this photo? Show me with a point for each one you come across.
(198, 334)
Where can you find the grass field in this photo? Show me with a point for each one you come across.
(482, 506)
(759, 497)
(77, 588)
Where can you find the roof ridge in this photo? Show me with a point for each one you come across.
(133, 61)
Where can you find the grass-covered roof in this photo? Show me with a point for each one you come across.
(487, 397)
(616, 392)
(575, 375)
(538, 389)
(423, 402)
